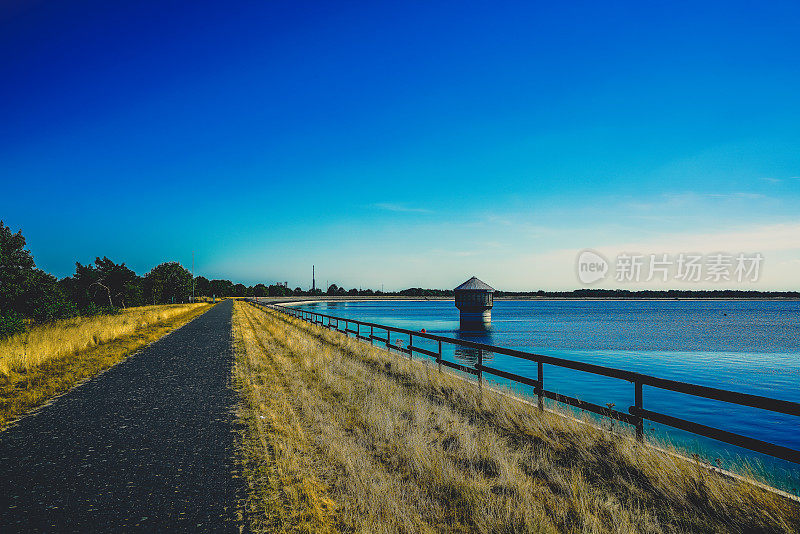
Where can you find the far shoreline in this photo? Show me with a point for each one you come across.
(298, 300)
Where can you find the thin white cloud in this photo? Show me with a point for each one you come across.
(399, 208)
(736, 196)
(687, 198)
(449, 253)
(781, 180)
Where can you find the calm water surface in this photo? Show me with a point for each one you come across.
(747, 346)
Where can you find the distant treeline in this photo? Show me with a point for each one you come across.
(653, 294)
(28, 294)
(575, 294)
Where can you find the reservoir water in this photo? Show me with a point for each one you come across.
(747, 346)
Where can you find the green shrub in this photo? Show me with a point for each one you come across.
(11, 323)
(54, 308)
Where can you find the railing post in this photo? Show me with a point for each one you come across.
(480, 368)
(539, 395)
(410, 344)
(388, 341)
(371, 333)
(638, 404)
(439, 357)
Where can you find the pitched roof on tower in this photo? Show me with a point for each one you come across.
(474, 284)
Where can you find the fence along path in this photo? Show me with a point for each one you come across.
(636, 414)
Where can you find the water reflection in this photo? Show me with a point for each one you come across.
(476, 335)
(474, 322)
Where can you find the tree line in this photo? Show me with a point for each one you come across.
(30, 295)
(654, 294)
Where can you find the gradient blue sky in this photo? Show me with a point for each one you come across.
(412, 144)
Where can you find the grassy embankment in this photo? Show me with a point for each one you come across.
(340, 436)
(50, 359)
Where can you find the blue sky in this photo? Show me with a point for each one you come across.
(412, 144)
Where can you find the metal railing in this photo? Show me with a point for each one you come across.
(636, 414)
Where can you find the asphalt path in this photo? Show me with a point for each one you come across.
(146, 446)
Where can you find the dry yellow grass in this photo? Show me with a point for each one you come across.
(50, 359)
(341, 436)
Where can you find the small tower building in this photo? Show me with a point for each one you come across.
(474, 299)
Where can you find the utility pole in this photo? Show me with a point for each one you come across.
(313, 280)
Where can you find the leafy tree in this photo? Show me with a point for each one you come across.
(221, 288)
(47, 301)
(239, 290)
(16, 269)
(105, 285)
(25, 291)
(260, 290)
(278, 290)
(333, 289)
(121, 283)
(201, 286)
(82, 286)
(168, 282)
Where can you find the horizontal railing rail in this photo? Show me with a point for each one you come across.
(636, 414)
